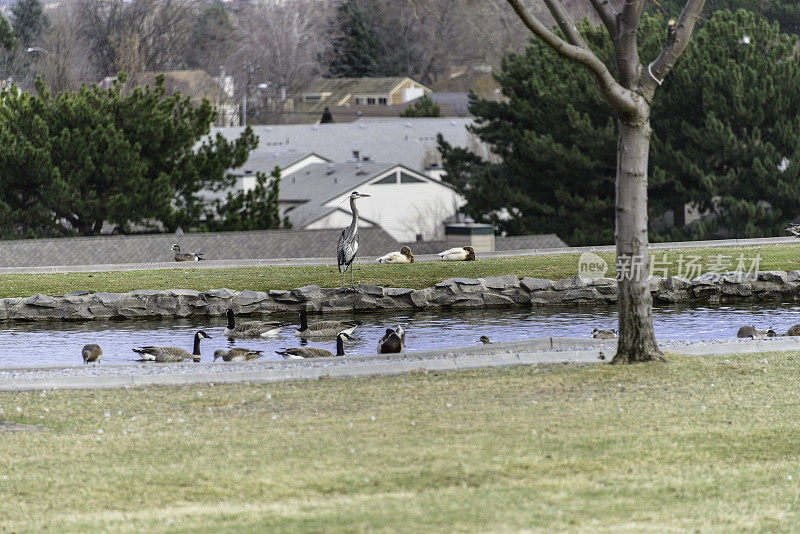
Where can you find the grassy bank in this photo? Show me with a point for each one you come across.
(700, 444)
(418, 275)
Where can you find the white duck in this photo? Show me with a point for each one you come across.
(458, 254)
(404, 255)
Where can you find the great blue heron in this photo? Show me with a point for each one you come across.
(348, 242)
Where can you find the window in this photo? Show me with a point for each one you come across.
(312, 98)
(408, 179)
(359, 101)
(370, 100)
(391, 179)
(382, 101)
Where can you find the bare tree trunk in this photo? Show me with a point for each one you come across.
(637, 340)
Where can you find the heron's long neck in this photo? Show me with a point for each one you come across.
(354, 222)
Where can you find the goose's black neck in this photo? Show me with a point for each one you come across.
(196, 350)
(340, 345)
(231, 322)
(303, 320)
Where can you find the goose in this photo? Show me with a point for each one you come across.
(393, 341)
(458, 254)
(603, 334)
(172, 354)
(793, 331)
(186, 256)
(250, 328)
(314, 352)
(91, 353)
(754, 333)
(484, 340)
(237, 354)
(404, 255)
(324, 328)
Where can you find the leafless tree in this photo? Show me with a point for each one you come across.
(60, 58)
(630, 95)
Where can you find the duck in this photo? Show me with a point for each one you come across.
(603, 334)
(754, 333)
(250, 328)
(315, 352)
(186, 256)
(793, 331)
(458, 254)
(172, 354)
(324, 328)
(393, 341)
(237, 354)
(91, 353)
(484, 340)
(404, 255)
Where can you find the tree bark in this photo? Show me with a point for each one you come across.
(637, 339)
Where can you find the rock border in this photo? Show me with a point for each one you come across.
(507, 290)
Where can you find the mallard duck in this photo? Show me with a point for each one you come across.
(186, 256)
(404, 255)
(603, 334)
(324, 328)
(484, 340)
(237, 354)
(251, 328)
(754, 333)
(314, 352)
(91, 353)
(458, 254)
(393, 341)
(793, 331)
(172, 354)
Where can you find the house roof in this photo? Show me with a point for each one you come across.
(318, 183)
(266, 161)
(410, 142)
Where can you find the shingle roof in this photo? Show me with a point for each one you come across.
(320, 182)
(410, 142)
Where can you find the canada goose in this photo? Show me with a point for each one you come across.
(91, 353)
(324, 328)
(403, 256)
(172, 354)
(754, 333)
(314, 352)
(186, 256)
(250, 328)
(458, 254)
(237, 354)
(793, 331)
(393, 341)
(603, 334)
(484, 340)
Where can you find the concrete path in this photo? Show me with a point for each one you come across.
(290, 262)
(536, 351)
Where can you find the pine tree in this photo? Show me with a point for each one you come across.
(7, 38)
(356, 49)
(256, 209)
(28, 21)
(423, 107)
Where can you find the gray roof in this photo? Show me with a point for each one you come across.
(458, 102)
(155, 247)
(320, 182)
(266, 161)
(405, 141)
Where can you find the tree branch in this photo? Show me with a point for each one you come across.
(565, 22)
(678, 35)
(626, 53)
(620, 98)
(608, 15)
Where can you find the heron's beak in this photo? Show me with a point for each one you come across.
(363, 195)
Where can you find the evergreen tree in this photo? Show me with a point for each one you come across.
(71, 161)
(29, 20)
(356, 47)
(784, 12)
(7, 38)
(256, 209)
(740, 141)
(423, 107)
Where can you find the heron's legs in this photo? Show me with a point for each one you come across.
(352, 284)
(344, 274)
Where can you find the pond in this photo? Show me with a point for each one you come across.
(49, 343)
